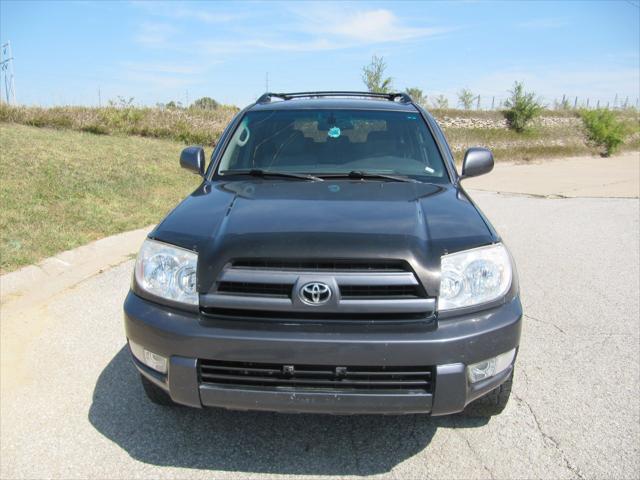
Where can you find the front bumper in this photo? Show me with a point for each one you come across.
(185, 337)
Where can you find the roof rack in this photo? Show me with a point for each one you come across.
(403, 97)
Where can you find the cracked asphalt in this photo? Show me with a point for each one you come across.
(72, 407)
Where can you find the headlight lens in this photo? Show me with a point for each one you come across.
(474, 276)
(167, 271)
(491, 367)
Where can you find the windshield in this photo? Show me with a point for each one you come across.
(335, 142)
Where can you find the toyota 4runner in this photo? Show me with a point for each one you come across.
(330, 261)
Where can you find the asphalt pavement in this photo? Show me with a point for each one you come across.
(72, 406)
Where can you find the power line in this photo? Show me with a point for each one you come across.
(6, 70)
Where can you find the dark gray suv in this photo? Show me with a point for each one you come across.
(330, 261)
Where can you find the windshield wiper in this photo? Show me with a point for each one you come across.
(257, 172)
(360, 175)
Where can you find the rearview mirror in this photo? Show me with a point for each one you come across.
(192, 158)
(477, 161)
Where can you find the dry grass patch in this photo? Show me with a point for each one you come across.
(190, 126)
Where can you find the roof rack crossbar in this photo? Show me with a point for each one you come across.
(403, 97)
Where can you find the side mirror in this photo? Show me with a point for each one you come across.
(477, 161)
(192, 158)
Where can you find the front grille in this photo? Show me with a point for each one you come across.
(380, 291)
(323, 265)
(318, 377)
(248, 288)
(361, 290)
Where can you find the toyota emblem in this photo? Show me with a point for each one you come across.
(315, 293)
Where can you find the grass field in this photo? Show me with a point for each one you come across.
(61, 189)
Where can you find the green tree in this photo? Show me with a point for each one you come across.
(417, 95)
(604, 129)
(373, 76)
(522, 107)
(466, 98)
(440, 102)
(205, 103)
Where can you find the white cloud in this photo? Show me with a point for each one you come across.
(177, 11)
(221, 47)
(155, 34)
(368, 26)
(314, 29)
(204, 16)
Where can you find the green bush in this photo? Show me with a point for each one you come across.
(522, 107)
(205, 103)
(604, 129)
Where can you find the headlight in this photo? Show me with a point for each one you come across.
(474, 276)
(167, 271)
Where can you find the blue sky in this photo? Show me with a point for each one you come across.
(158, 51)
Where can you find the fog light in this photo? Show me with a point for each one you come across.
(150, 359)
(490, 367)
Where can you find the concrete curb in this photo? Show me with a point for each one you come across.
(34, 283)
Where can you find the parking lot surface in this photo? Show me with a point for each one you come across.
(72, 407)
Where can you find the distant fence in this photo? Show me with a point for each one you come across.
(566, 102)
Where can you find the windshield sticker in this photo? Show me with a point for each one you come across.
(334, 132)
(412, 117)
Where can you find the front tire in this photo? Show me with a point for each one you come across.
(493, 403)
(155, 393)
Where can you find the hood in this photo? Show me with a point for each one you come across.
(331, 220)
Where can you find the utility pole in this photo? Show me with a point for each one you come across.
(266, 82)
(493, 101)
(6, 69)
